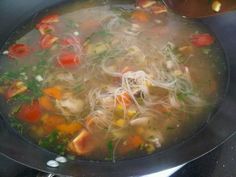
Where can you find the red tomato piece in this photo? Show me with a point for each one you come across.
(53, 18)
(68, 59)
(202, 40)
(67, 41)
(47, 41)
(45, 28)
(30, 113)
(18, 50)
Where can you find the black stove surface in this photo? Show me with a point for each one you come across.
(219, 163)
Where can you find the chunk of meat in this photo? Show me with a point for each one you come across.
(69, 105)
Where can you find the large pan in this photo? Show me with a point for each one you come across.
(219, 128)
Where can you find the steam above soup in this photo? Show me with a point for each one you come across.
(108, 81)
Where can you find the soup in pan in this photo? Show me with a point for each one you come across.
(106, 81)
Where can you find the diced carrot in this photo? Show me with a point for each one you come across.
(131, 143)
(83, 143)
(38, 131)
(135, 140)
(140, 16)
(124, 99)
(55, 92)
(53, 120)
(69, 128)
(50, 122)
(46, 103)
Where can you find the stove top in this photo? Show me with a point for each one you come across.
(221, 162)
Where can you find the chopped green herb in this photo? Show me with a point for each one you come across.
(182, 96)
(110, 150)
(209, 1)
(35, 88)
(17, 125)
(206, 51)
(43, 54)
(78, 88)
(14, 110)
(71, 24)
(168, 114)
(54, 142)
(70, 157)
(41, 67)
(170, 128)
(22, 98)
(10, 75)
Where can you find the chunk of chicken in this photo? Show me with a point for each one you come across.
(69, 105)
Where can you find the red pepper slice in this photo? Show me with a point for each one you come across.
(53, 18)
(202, 40)
(18, 51)
(68, 60)
(30, 113)
(45, 28)
(47, 41)
(124, 99)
